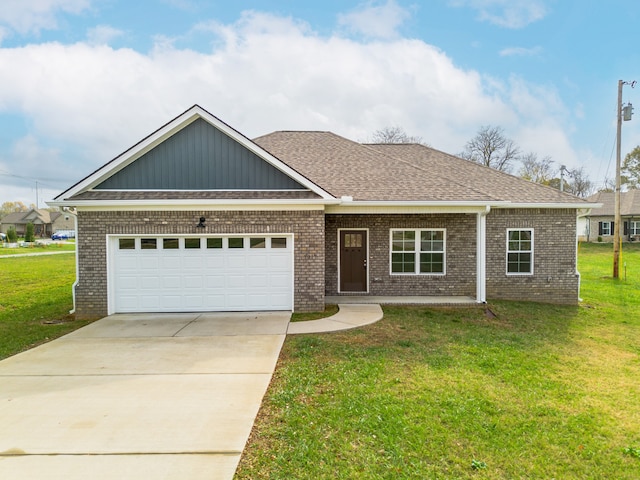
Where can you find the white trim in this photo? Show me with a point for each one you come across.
(367, 259)
(507, 251)
(418, 251)
(186, 205)
(510, 205)
(175, 125)
(481, 256)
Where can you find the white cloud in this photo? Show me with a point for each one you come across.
(520, 52)
(28, 16)
(103, 35)
(374, 21)
(265, 73)
(506, 13)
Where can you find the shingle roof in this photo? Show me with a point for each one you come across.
(629, 203)
(399, 172)
(45, 216)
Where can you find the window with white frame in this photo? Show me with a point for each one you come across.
(418, 251)
(605, 228)
(519, 251)
(634, 227)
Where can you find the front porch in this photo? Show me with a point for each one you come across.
(457, 300)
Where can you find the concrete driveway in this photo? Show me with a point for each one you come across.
(153, 396)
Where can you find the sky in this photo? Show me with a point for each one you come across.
(81, 81)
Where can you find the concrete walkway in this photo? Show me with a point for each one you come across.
(348, 316)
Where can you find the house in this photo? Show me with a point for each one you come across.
(198, 217)
(600, 222)
(45, 223)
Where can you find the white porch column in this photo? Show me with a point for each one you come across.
(481, 255)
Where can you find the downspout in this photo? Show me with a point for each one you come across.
(75, 283)
(481, 255)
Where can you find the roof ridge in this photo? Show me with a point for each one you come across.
(422, 169)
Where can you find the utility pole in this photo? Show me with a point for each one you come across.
(617, 219)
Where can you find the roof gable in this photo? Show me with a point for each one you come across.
(195, 151)
(629, 203)
(200, 157)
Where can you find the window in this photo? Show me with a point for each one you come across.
(236, 243)
(418, 251)
(170, 243)
(279, 242)
(214, 242)
(191, 243)
(148, 243)
(127, 243)
(634, 227)
(257, 243)
(605, 228)
(520, 252)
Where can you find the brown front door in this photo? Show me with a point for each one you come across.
(353, 260)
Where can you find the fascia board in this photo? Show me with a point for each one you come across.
(373, 207)
(170, 129)
(577, 205)
(184, 204)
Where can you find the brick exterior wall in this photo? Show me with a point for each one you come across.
(460, 278)
(554, 279)
(93, 226)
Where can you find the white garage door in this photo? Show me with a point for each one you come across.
(190, 274)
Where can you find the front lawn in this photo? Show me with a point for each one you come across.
(35, 299)
(521, 391)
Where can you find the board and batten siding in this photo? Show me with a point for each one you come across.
(200, 157)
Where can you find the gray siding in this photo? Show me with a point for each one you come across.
(200, 157)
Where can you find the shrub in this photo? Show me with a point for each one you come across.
(28, 235)
(12, 235)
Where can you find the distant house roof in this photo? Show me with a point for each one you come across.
(629, 203)
(400, 172)
(35, 216)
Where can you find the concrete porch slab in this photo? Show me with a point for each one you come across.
(401, 300)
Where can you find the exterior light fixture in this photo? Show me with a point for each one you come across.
(201, 223)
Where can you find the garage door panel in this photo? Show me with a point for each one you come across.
(258, 280)
(126, 283)
(214, 277)
(170, 282)
(214, 281)
(280, 280)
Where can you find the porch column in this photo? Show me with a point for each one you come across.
(481, 255)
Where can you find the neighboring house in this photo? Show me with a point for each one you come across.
(45, 223)
(197, 217)
(601, 220)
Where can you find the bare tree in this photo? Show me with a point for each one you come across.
(576, 182)
(581, 186)
(534, 170)
(394, 135)
(491, 148)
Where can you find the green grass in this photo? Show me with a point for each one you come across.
(538, 391)
(35, 300)
(53, 247)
